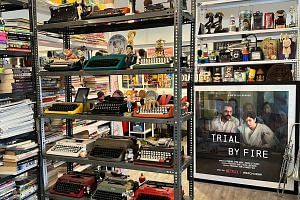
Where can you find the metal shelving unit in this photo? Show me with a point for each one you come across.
(175, 17)
(14, 5)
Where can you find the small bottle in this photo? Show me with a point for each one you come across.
(142, 178)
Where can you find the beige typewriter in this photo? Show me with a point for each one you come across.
(71, 147)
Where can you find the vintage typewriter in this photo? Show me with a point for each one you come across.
(111, 189)
(155, 190)
(155, 156)
(75, 185)
(157, 62)
(70, 108)
(158, 6)
(113, 148)
(106, 62)
(71, 147)
(110, 105)
(164, 111)
(63, 65)
(94, 12)
(63, 13)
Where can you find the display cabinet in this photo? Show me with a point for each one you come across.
(175, 17)
(247, 56)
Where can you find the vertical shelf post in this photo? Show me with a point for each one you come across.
(190, 93)
(39, 122)
(68, 93)
(177, 97)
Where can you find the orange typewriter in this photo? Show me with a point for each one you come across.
(155, 190)
(75, 185)
(154, 107)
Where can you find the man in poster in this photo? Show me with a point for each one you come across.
(225, 122)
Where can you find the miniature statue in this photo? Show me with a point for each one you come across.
(286, 45)
(232, 25)
(160, 48)
(142, 178)
(218, 24)
(132, 4)
(260, 75)
(209, 24)
(147, 3)
(131, 35)
(131, 58)
(292, 12)
(280, 20)
(79, 4)
(251, 75)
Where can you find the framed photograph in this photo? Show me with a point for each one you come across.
(241, 132)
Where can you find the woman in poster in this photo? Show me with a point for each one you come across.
(255, 134)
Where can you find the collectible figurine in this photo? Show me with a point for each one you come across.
(79, 8)
(246, 54)
(131, 35)
(205, 76)
(245, 20)
(286, 45)
(280, 21)
(269, 47)
(213, 57)
(228, 74)
(218, 24)
(150, 100)
(269, 20)
(147, 3)
(132, 4)
(209, 24)
(292, 12)
(160, 48)
(232, 25)
(251, 76)
(257, 20)
(240, 75)
(131, 58)
(260, 75)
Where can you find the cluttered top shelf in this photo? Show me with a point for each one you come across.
(117, 23)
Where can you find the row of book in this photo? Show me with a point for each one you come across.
(19, 188)
(15, 35)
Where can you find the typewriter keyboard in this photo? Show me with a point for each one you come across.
(107, 108)
(104, 63)
(151, 197)
(63, 107)
(106, 153)
(156, 110)
(64, 187)
(66, 148)
(156, 156)
(105, 195)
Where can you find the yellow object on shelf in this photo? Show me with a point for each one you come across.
(65, 108)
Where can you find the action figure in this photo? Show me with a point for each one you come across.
(218, 24)
(286, 46)
(160, 48)
(209, 24)
(131, 58)
(280, 19)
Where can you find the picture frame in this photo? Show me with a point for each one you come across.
(213, 158)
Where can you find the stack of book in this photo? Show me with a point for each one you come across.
(23, 80)
(26, 187)
(18, 35)
(16, 119)
(8, 190)
(96, 84)
(19, 157)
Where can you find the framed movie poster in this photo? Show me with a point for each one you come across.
(241, 132)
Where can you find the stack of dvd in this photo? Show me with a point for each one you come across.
(23, 81)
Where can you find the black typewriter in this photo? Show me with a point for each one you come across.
(63, 65)
(63, 13)
(158, 6)
(110, 190)
(107, 62)
(94, 12)
(113, 148)
(110, 105)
